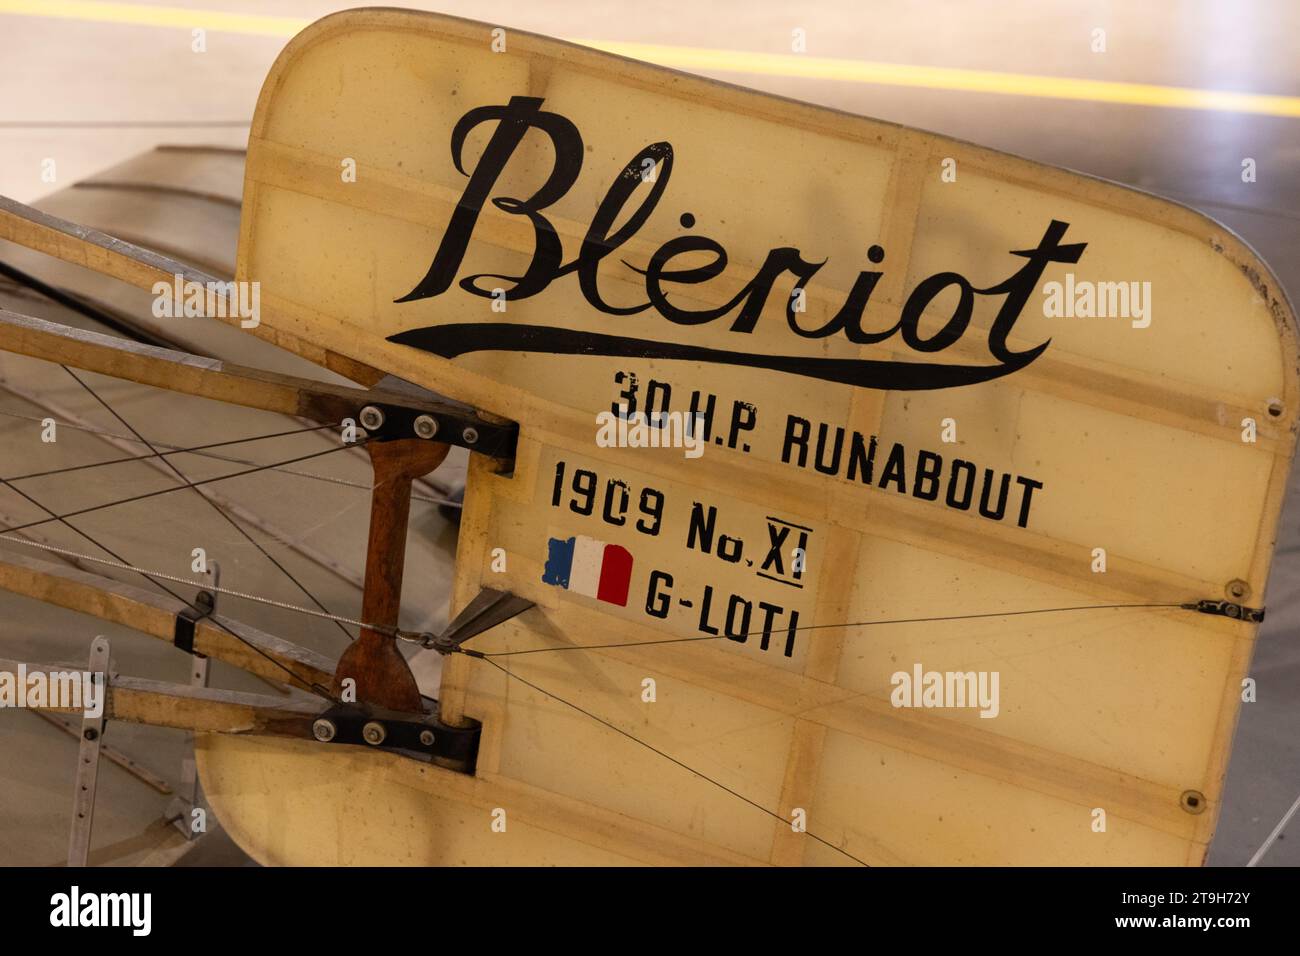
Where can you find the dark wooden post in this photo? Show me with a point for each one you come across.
(383, 677)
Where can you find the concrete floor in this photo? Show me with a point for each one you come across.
(89, 93)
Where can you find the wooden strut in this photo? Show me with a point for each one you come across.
(83, 246)
(146, 612)
(382, 676)
(219, 381)
(383, 679)
(202, 710)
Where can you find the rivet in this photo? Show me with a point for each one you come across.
(1193, 801)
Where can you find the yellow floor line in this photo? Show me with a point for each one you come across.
(146, 15)
(948, 78)
(734, 61)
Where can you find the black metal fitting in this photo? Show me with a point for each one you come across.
(1238, 612)
(454, 426)
(205, 602)
(426, 739)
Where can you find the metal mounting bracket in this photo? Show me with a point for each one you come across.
(189, 795)
(1251, 615)
(87, 777)
(205, 605)
(452, 423)
(423, 739)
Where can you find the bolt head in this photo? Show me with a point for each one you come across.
(470, 435)
(91, 733)
(371, 418)
(426, 426)
(427, 738)
(374, 733)
(323, 730)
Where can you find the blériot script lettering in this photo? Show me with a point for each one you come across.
(523, 113)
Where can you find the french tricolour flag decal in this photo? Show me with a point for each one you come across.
(587, 566)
